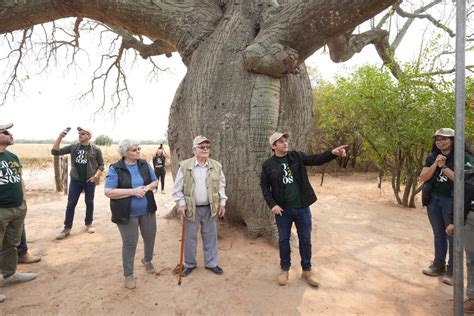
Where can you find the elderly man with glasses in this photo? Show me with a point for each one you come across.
(199, 191)
(87, 165)
(12, 212)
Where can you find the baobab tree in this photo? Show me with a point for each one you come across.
(245, 77)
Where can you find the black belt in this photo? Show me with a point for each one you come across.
(203, 205)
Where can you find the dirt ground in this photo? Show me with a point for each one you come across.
(367, 253)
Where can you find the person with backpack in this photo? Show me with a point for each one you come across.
(159, 164)
(468, 229)
(437, 196)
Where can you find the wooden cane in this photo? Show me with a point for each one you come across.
(181, 265)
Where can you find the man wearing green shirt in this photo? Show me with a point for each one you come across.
(286, 189)
(12, 212)
(86, 166)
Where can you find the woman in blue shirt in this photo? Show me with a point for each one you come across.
(129, 185)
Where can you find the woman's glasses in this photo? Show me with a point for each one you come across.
(5, 133)
(135, 149)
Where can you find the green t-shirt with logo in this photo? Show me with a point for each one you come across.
(11, 191)
(291, 186)
(81, 162)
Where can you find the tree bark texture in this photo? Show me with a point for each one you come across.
(246, 76)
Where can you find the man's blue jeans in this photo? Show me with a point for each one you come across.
(438, 210)
(75, 190)
(302, 219)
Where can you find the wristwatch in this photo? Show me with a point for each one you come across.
(443, 167)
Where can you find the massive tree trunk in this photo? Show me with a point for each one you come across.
(238, 111)
(246, 76)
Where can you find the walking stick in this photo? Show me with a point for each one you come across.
(181, 256)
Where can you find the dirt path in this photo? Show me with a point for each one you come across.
(367, 252)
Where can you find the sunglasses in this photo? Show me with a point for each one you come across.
(135, 149)
(204, 147)
(6, 133)
(83, 133)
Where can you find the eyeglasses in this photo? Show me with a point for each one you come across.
(83, 133)
(204, 147)
(6, 133)
(135, 149)
(444, 139)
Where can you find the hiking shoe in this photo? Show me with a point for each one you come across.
(282, 277)
(2, 297)
(129, 282)
(28, 258)
(149, 268)
(434, 270)
(310, 278)
(90, 229)
(469, 306)
(63, 234)
(18, 277)
(448, 278)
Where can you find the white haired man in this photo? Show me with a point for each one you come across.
(199, 191)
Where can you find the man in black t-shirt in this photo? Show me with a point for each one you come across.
(159, 165)
(12, 212)
(287, 191)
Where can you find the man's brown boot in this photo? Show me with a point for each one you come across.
(310, 278)
(283, 277)
(28, 258)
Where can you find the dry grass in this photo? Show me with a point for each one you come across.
(38, 156)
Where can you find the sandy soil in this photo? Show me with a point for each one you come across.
(367, 253)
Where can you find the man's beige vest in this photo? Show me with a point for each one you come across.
(212, 184)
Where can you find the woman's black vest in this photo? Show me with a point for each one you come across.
(121, 207)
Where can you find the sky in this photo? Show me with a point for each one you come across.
(48, 102)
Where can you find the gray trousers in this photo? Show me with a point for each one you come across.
(209, 238)
(11, 227)
(129, 233)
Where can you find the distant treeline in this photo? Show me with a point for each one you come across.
(51, 141)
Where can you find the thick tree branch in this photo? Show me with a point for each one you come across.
(180, 26)
(344, 46)
(287, 38)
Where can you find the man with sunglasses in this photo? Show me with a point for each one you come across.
(12, 212)
(87, 165)
(288, 193)
(199, 191)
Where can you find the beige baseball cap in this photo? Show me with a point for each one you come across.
(276, 136)
(446, 132)
(200, 139)
(87, 130)
(6, 126)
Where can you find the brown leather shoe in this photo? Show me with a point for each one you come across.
(310, 278)
(28, 258)
(282, 278)
(469, 306)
